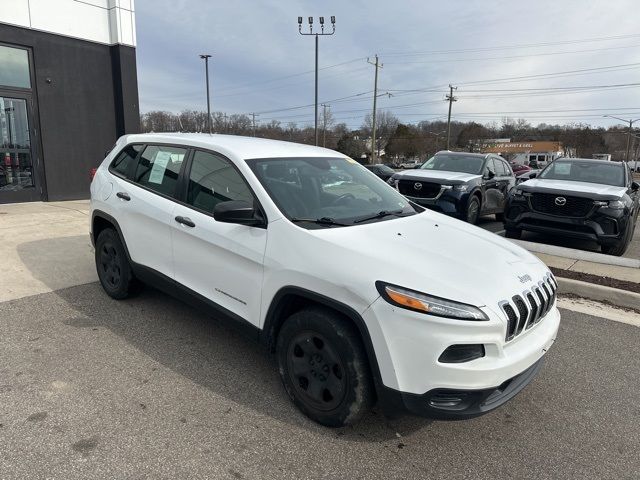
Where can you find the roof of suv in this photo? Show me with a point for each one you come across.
(466, 154)
(591, 160)
(244, 147)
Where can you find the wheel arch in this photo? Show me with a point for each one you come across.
(290, 299)
(101, 221)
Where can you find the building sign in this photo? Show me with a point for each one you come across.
(523, 147)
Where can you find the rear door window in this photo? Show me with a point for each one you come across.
(212, 180)
(158, 168)
(123, 163)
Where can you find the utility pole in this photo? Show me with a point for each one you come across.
(253, 123)
(324, 124)
(374, 149)
(450, 98)
(629, 132)
(206, 69)
(317, 34)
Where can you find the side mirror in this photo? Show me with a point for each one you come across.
(533, 175)
(237, 211)
(489, 175)
(635, 186)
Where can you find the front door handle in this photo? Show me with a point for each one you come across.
(123, 195)
(185, 221)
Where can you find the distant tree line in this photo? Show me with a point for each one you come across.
(396, 139)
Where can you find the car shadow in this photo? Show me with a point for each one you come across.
(201, 348)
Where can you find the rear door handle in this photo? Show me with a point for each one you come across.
(123, 196)
(185, 221)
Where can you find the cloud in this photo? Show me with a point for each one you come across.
(255, 44)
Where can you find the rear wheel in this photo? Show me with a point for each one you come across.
(114, 270)
(324, 367)
(473, 210)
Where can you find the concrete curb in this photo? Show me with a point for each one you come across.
(614, 296)
(577, 254)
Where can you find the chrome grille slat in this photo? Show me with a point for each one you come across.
(525, 310)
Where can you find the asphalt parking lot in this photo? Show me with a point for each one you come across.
(150, 388)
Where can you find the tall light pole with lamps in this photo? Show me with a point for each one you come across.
(317, 34)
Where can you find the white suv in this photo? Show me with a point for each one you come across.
(291, 241)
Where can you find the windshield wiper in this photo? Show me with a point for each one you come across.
(383, 213)
(320, 221)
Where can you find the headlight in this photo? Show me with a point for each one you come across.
(392, 181)
(616, 204)
(461, 188)
(517, 193)
(421, 302)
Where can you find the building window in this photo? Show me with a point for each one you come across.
(14, 67)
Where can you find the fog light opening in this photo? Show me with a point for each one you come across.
(462, 353)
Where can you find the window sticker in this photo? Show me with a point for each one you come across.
(563, 168)
(159, 167)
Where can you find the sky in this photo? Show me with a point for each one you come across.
(556, 62)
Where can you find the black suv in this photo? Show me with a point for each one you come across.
(463, 185)
(580, 198)
(383, 171)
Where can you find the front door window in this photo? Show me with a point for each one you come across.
(16, 164)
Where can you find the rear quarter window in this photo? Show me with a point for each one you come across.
(123, 162)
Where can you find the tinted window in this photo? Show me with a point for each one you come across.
(507, 168)
(585, 171)
(14, 67)
(455, 163)
(335, 188)
(158, 168)
(213, 180)
(121, 165)
(491, 166)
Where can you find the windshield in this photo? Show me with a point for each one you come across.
(336, 189)
(586, 171)
(455, 163)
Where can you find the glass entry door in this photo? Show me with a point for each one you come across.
(18, 176)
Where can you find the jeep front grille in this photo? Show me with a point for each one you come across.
(526, 310)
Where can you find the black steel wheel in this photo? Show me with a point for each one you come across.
(324, 368)
(112, 265)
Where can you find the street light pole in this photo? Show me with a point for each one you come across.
(206, 69)
(629, 132)
(317, 34)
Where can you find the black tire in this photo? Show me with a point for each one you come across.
(114, 270)
(500, 217)
(473, 210)
(619, 249)
(324, 368)
(516, 234)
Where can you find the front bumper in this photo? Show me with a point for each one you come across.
(602, 225)
(450, 202)
(408, 346)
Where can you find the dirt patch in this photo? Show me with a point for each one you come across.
(597, 279)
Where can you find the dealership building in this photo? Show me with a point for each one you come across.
(68, 90)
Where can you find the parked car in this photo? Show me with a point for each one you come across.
(583, 198)
(383, 171)
(411, 164)
(519, 169)
(463, 185)
(452, 326)
(523, 177)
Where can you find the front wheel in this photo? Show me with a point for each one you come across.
(473, 210)
(324, 368)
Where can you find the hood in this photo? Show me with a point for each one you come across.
(579, 189)
(437, 176)
(438, 255)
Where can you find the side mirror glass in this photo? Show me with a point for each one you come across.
(237, 211)
(533, 175)
(635, 186)
(489, 175)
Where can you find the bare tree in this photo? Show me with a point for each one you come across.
(386, 124)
